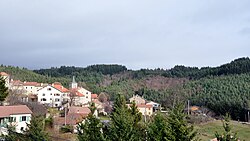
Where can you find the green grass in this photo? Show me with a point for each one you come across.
(206, 131)
(104, 118)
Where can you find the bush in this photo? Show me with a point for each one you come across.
(66, 129)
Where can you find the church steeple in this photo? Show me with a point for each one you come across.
(73, 83)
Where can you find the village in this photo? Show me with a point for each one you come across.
(66, 106)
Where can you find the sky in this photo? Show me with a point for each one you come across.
(136, 33)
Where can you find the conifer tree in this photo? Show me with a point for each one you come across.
(3, 90)
(35, 131)
(124, 121)
(178, 128)
(157, 128)
(227, 135)
(91, 129)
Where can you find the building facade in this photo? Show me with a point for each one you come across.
(18, 116)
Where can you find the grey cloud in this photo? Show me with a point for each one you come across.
(142, 33)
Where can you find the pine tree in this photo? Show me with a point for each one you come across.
(35, 131)
(124, 121)
(139, 128)
(227, 135)
(178, 128)
(91, 129)
(157, 128)
(3, 90)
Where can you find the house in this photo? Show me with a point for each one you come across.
(145, 109)
(156, 106)
(32, 87)
(94, 96)
(50, 96)
(64, 90)
(74, 116)
(6, 77)
(99, 106)
(18, 116)
(137, 99)
(81, 96)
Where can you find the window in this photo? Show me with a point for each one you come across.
(86, 96)
(57, 99)
(23, 118)
(86, 92)
(21, 128)
(43, 94)
(31, 87)
(43, 99)
(49, 89)
(12, 119)
(56, 94)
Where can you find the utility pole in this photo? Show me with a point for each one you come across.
(188, 107)
(247, 115)
(65, 116)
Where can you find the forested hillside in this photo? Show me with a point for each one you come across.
(225, 88)
(24, 74)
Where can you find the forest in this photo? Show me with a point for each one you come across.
(223, 89)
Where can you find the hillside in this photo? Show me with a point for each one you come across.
(206, 131)
(222, 89)
(24, 74)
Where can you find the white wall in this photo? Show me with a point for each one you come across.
(51, 96)
(87, 95)
(21, 124)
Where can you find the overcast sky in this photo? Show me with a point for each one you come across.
(135, 33)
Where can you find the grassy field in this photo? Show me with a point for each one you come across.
(206, 131)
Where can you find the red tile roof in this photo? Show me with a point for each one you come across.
(6, 111)
(16, 82)
(71, 119)
(79, 110)
(4, 74)
(144, 106)
(94, 96)
(59, 86)
(76, 92)
(31, 84)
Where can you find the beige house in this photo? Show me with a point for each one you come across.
(138, 99)
(145, 109)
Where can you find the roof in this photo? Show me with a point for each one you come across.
(76, 92)
(79, 110)
(6, 111)
(194, 108)
(31, 84)
(59, 86)
(16, 82)
(144, 106)
(4, 74)
(71, 119)
(94, 96)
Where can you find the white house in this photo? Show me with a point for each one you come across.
(81, 95)
(50, 96)
(32, 87)
(18, 116)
